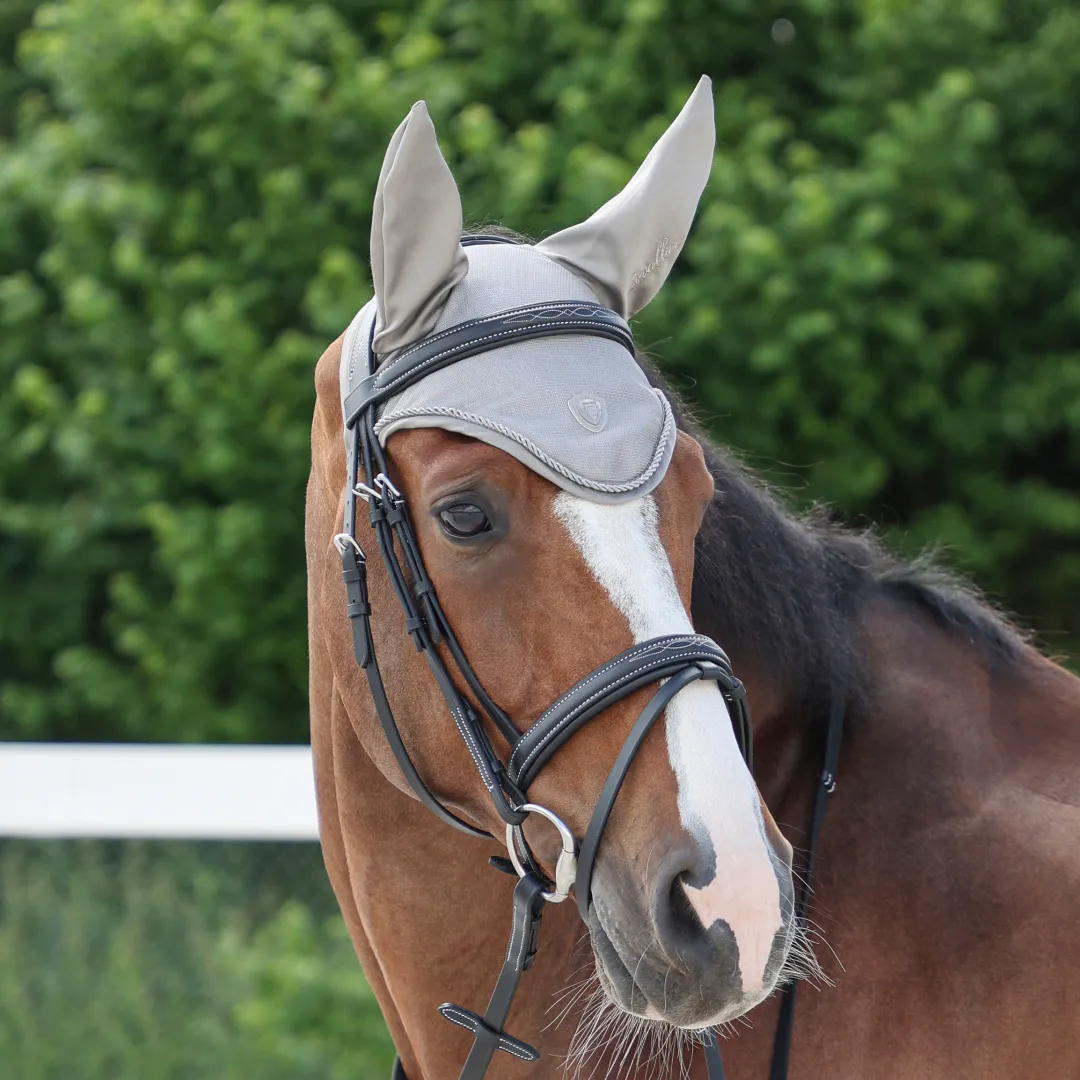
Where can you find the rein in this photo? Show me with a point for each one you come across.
(674, 661)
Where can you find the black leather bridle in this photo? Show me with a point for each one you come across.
(674, 661)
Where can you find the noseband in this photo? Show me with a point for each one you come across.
(674, 661)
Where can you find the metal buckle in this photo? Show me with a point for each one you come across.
(344, 540)
(383, 491)
(366, 493)
(385, 484)
(565, 867)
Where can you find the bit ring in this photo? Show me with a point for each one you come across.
(565, 867)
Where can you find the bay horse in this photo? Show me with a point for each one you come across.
(946, 905)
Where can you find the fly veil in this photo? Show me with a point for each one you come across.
(575, 408)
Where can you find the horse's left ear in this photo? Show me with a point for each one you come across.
(626, 249)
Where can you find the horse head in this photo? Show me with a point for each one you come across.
(554, 508)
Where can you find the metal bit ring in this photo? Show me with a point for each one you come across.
(565, 867)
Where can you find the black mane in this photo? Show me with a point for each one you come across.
(786, 590)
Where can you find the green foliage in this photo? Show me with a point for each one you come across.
(309, 1012)
(146, 963)
(880, 293)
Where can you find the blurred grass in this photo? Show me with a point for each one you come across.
(168, 961)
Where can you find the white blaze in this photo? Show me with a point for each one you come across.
(717, 800)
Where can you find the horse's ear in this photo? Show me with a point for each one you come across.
(416, 252)
(626, 249)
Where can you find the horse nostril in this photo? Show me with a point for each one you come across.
(683, 915)
(679, 930)
(709, 952)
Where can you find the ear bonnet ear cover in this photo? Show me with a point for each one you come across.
(576, 409)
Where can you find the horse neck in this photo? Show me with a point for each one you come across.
(935, 725)
(429, 919)
(812, 615)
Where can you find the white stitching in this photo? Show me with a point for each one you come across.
(544, 305)
(513, 936)
(602, 692)
(525, 919)
(468, 1021)
(547, 459)
(554, 706)
(510, 1048)
(683, 651)
(471, 745)
(459, 1016)
(387, 364)
(646, 649)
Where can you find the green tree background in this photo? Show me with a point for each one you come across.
(879, 305)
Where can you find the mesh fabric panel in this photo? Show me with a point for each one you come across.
(575, 409)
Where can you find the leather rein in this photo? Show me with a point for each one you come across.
(674, 661)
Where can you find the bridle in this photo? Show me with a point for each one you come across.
(674, 661)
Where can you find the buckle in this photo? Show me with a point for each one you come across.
(385, 484)
(343, 541)
(384, 491)
(368, 494)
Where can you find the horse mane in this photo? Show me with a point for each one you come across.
(787, 589)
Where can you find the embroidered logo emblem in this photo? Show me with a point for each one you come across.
(590, 412)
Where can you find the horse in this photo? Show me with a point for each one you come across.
(943, 936)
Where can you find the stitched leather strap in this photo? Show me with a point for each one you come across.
(638, 666)
(590, 845)
(487, 1030)
(714, 1065)
(785, 1024)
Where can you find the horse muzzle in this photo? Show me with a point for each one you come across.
(655, 958)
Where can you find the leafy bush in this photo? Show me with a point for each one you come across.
(308, 1010)
(146, 962)
(879, 303)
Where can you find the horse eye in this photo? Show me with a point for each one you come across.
(464, 520)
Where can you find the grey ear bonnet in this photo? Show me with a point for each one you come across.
(575, 408)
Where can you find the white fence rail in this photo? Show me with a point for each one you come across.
(68, 790)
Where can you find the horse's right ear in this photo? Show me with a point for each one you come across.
(416, 252)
